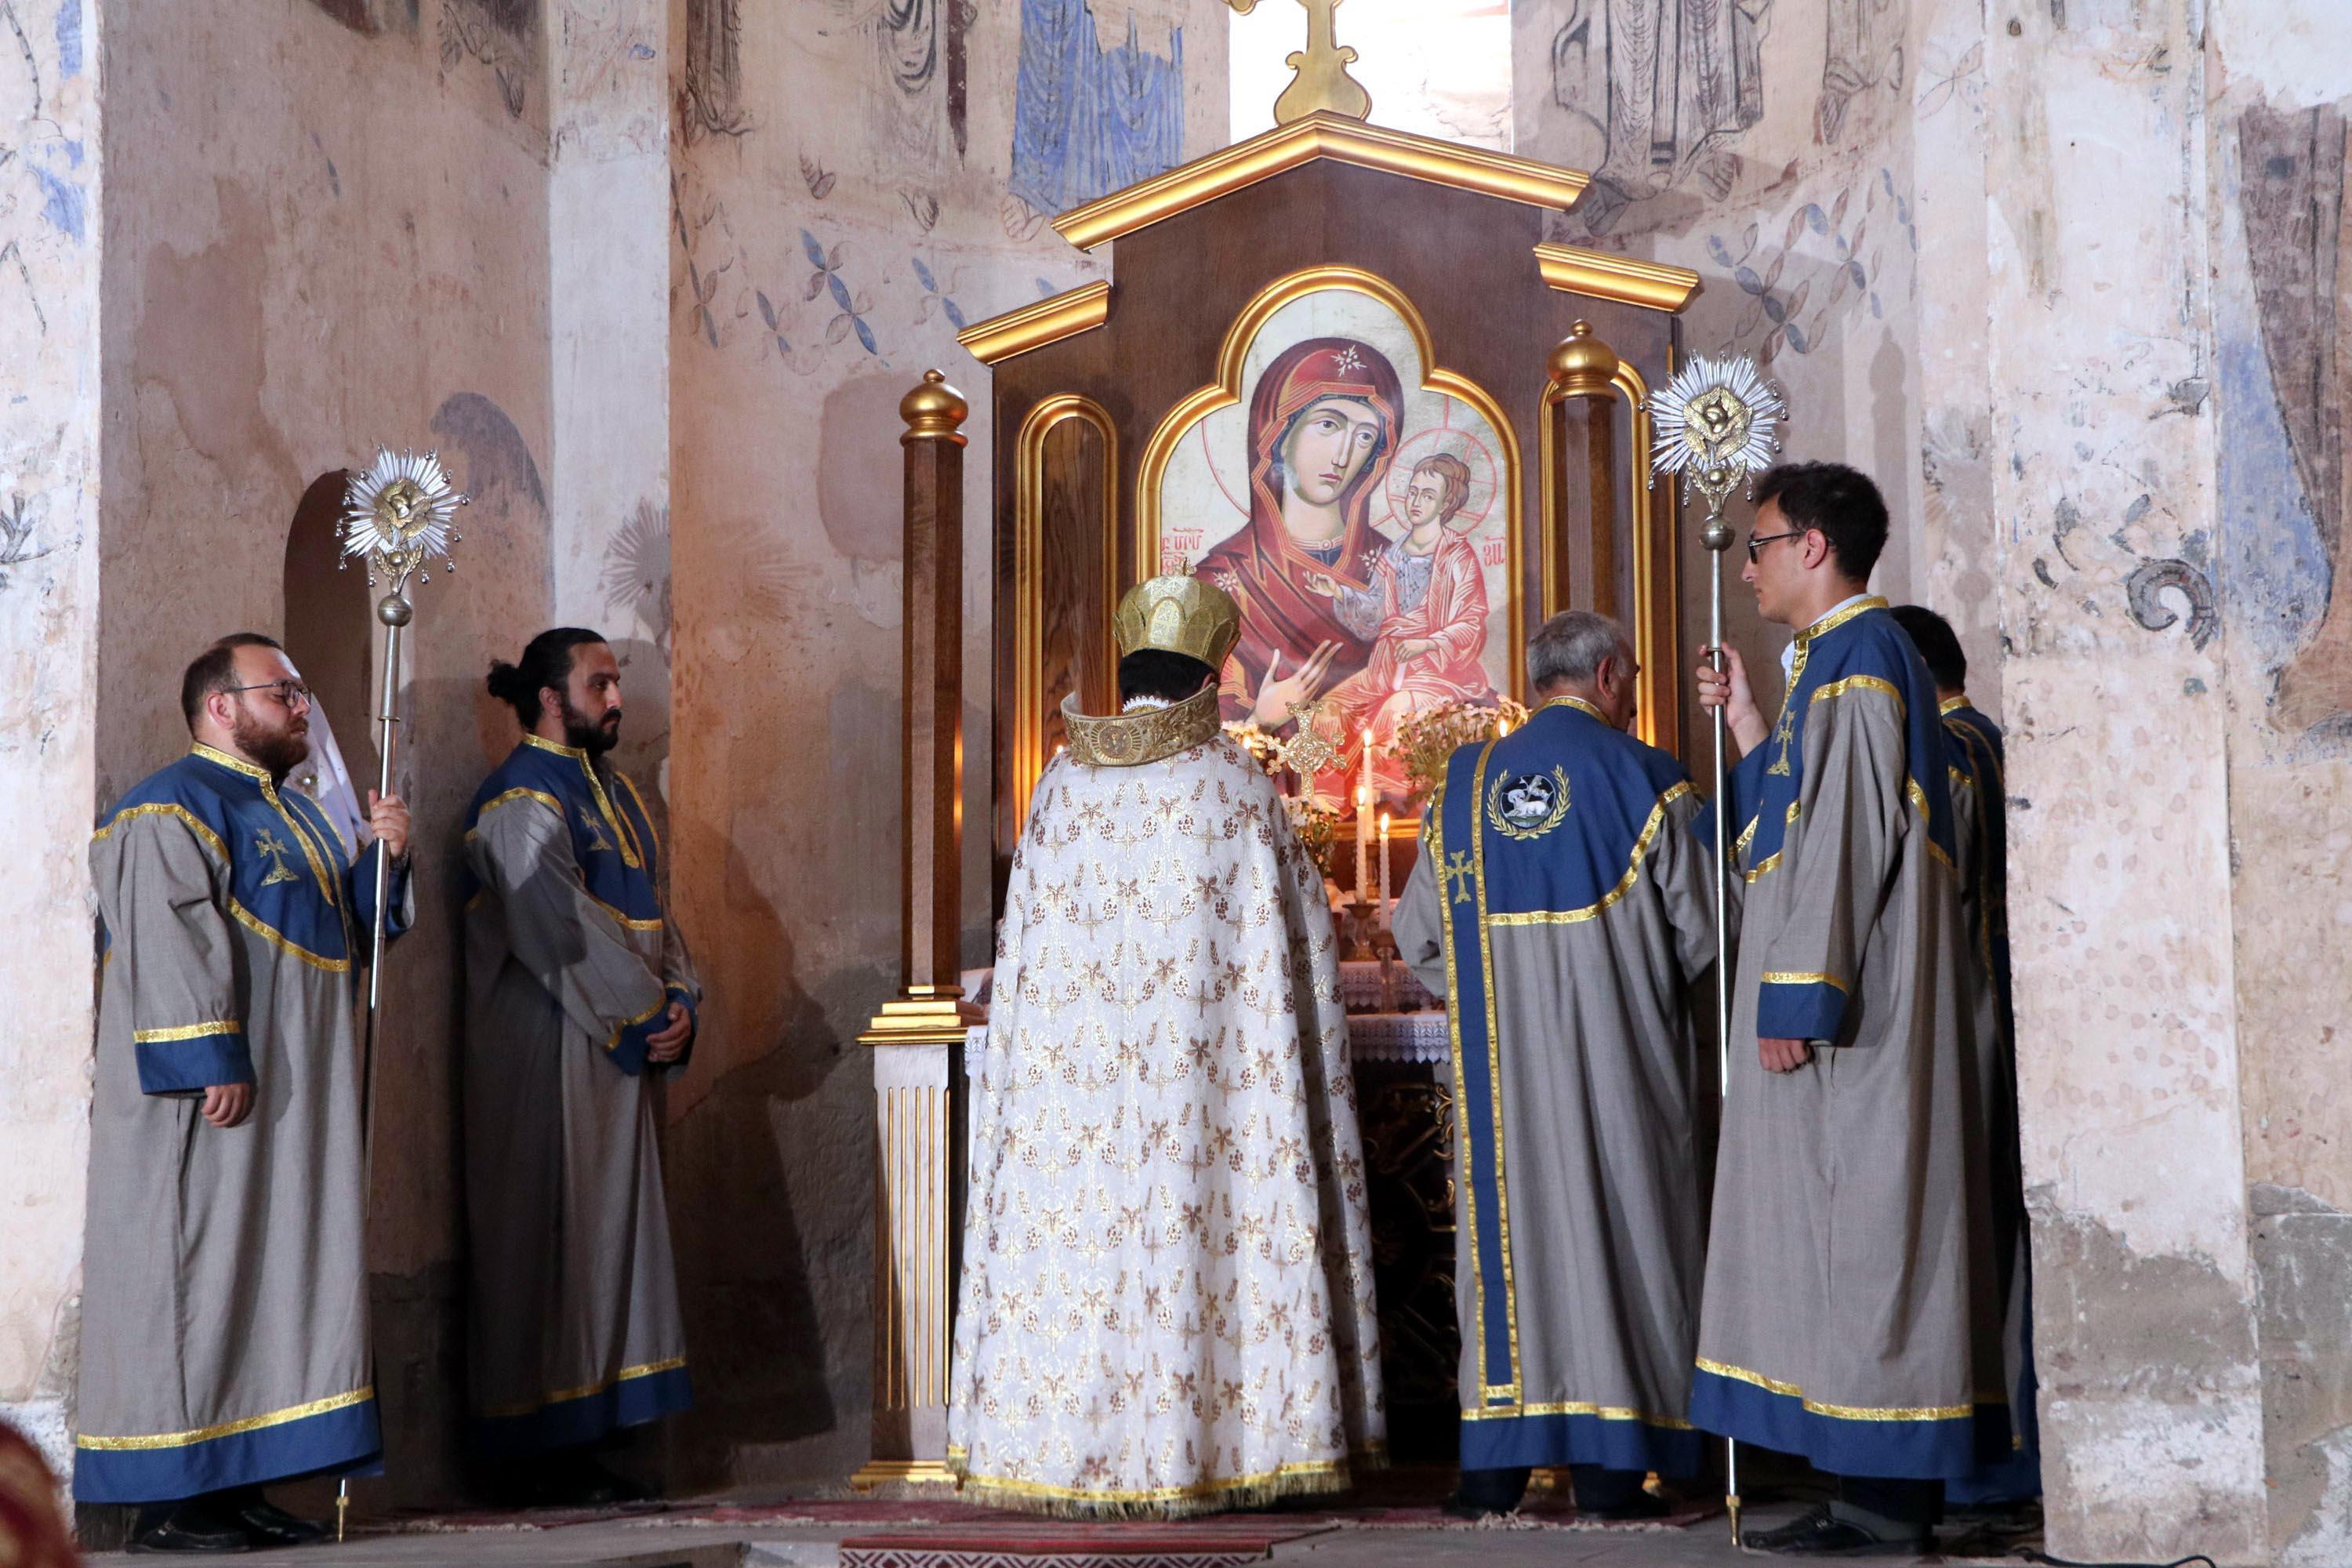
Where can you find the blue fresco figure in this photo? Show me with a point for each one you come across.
(1088, 121)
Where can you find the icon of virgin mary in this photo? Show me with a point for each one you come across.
(1323, 427)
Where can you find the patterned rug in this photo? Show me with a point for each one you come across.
(1208, 1544)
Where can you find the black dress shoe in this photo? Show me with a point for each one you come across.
(191, 1526)
(1822, 1533)
(273, 1526)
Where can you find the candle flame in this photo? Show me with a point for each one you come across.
(1384, 824)
(1502, 728)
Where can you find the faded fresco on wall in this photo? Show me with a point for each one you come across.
(2298, 232)
(1091, 114)
(1360, 520)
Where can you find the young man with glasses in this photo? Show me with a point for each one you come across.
(1851, 1310)
(225, 1293)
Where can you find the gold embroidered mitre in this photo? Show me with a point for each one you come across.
(1178, 615)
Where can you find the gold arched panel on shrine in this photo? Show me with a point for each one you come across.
(1065, 487)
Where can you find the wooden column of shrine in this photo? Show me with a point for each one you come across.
(916, 1035)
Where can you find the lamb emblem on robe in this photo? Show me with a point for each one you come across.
(1528, 806)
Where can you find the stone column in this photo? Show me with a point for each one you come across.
(609, 238)
(49, 435)
(2099, 339)
(915, 1034)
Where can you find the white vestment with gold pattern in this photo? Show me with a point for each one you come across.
(1166, 1302)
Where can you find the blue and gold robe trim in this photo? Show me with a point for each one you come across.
(1916, 1443)
(630, 1397)
(613, 843)
(286, 881)
(335, 1435)
(1540, 827)
(1859, 654)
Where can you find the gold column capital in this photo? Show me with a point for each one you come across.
(1582, 365)
(934, 410)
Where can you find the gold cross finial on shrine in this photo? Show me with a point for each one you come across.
(1321, 81)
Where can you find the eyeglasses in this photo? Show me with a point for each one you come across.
(1756, 542)
(287, 692)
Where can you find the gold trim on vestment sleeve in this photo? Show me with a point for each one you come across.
(229, 1428)
(1800, 977)
(196, 824)
(1862, 683)
(645, 1016)
(186, 1031)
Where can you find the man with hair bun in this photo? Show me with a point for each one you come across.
(1563, 908)
(577, 991)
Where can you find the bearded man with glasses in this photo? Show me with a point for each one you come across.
(224, 1296)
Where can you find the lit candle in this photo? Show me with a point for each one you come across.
(1385, 905)
(1363, 843)
(1502, 728)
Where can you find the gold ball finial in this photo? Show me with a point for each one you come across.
(1582, 365)
(934, 410)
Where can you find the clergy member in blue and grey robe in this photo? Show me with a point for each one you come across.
(578, 993)
(1562, 907)
(224, 1312)
(1980, 814)
(1853, 1310)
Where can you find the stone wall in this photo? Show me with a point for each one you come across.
(2066, 278)
(51, 192)
(2278, 95)
(1786, 150)
(851, 183)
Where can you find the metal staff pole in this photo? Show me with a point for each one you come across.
(398, 515)
(1717, 537)
(1713, 424)
(396, 612)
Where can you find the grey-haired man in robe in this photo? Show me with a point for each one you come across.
(224, 1310)
(1564, 909)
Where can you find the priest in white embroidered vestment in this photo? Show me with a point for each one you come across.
(1167, 1294)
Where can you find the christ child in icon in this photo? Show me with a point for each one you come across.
(1424, 612)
